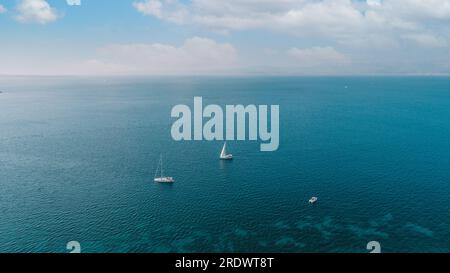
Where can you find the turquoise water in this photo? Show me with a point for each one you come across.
(77, 159)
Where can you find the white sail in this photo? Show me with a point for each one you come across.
(224, 151)
(224, 154)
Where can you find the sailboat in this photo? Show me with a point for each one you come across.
(161, 178)
(224, 155)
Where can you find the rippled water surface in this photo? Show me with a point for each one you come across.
(78, 155)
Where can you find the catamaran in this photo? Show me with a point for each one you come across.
(224, 155)
(161, 178)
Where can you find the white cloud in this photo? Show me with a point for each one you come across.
(258, 9)
(318, 56)
(342, 21)
(2, 9)
(169, 10)
(150, 7)
(356, 36)
(73, 2)
(195, 56)
(245, 14)
(417, 9)
(373, 3)
(36, 11)
(427, 40)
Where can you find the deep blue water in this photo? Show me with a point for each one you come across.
(78, 155)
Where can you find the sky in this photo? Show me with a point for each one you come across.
(225, 37)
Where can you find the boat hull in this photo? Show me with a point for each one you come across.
(164, 180)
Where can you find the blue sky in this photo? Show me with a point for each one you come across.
(180, 37)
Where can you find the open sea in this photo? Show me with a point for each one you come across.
(78, 157)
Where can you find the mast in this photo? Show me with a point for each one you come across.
(160, 166)
(162, 171)
(157, 169)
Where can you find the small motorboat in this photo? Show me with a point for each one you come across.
(313, 200)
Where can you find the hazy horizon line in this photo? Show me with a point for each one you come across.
(228, 75)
